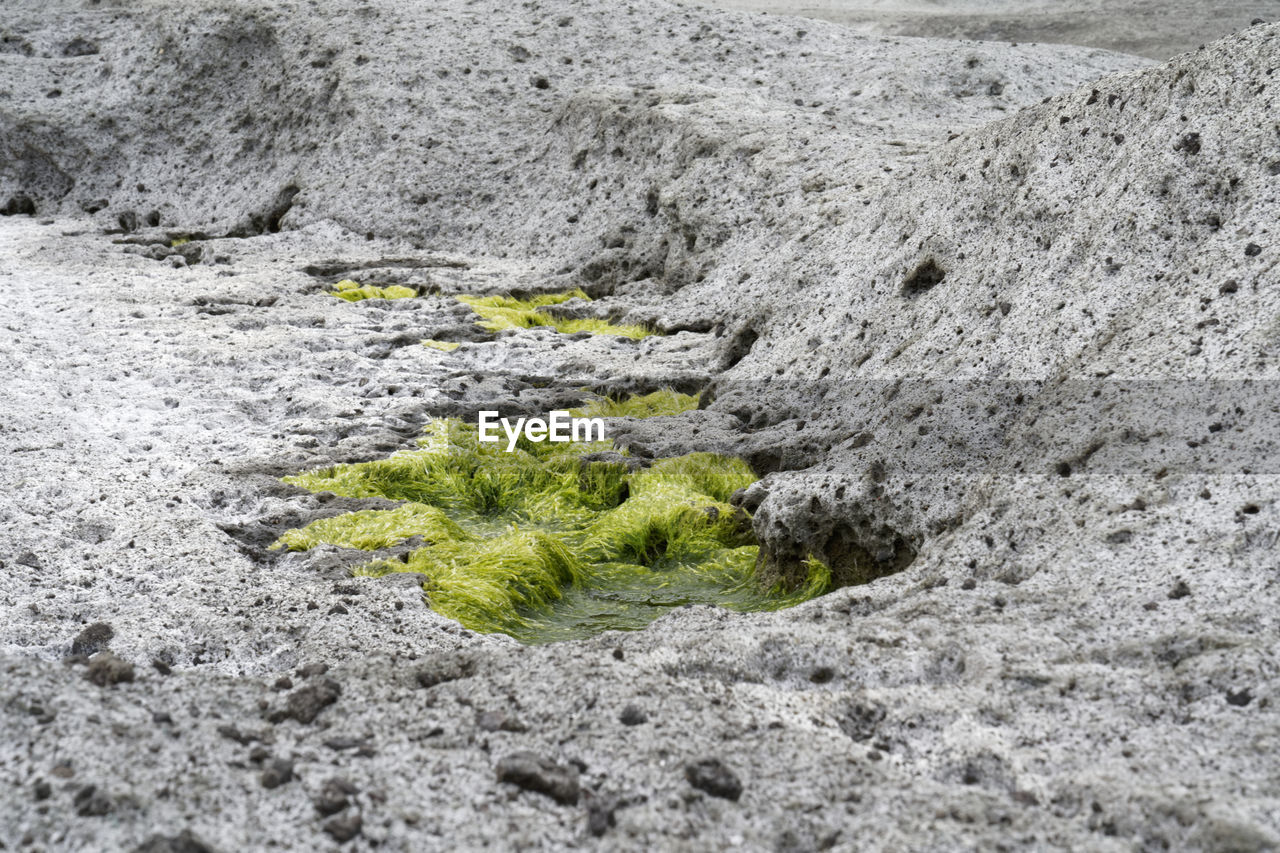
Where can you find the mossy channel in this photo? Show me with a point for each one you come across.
(550, 542)
(354, 291)
(498, 313)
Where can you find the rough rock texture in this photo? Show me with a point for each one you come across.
(1145, 27)
(998, 324)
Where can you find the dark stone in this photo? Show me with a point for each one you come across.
(333, 797)
(500, 721)
(161, 666)
(42, 790)
(94, 205)
(28, 559)
(449, 668)
(19, 205)
(277, 773)
(128, 221)
(342, 742)
(600, 816)
(269, 219)
(822, 675)
(311, 670)
(713, 777)
(541, 82)
(1189, 144)
(183, 842)
(90, 802)
(306, 703)
(860, 720)
(344, 828)
(633, 715)
(106, 669)
(1239, 698)
(79, 47)
(93, 639)
(284, 682)
(533, 772)
(1180, 590)
(1252, 250)
(1230, 286)
(232, 733)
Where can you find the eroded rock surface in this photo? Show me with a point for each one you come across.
(997, 323)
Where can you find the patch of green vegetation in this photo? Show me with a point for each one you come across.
(498, 313)
(353, 291)
(659, 403)
(443, 346)
(371, 529)
(544, 545)
(179, 241)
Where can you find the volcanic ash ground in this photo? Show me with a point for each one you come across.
(978, 340)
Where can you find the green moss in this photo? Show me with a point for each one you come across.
(443, 346)
(353, 291)
(544, 545)
(370, 530)
(179, 241)
(486, 585)
(498, 313)
(663, 402)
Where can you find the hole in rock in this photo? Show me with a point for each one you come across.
(923, 278)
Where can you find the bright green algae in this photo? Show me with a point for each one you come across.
(353, 291)
(664, 402)
(544, 545)
(506, 312)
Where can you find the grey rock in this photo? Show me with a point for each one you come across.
(92, 639)
(633, 715)
(894, 272)
(279, 771)
(89, 801)
(714, 777)
(534, 772)
(306, 703)
(334, 796)
(343, 828)
(445, 669)
(183, 842)
(105, 669)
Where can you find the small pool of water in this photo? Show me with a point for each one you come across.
(544, 545)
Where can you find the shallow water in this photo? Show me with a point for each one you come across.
(545, 547)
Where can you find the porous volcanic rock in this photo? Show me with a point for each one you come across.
(997, 323)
